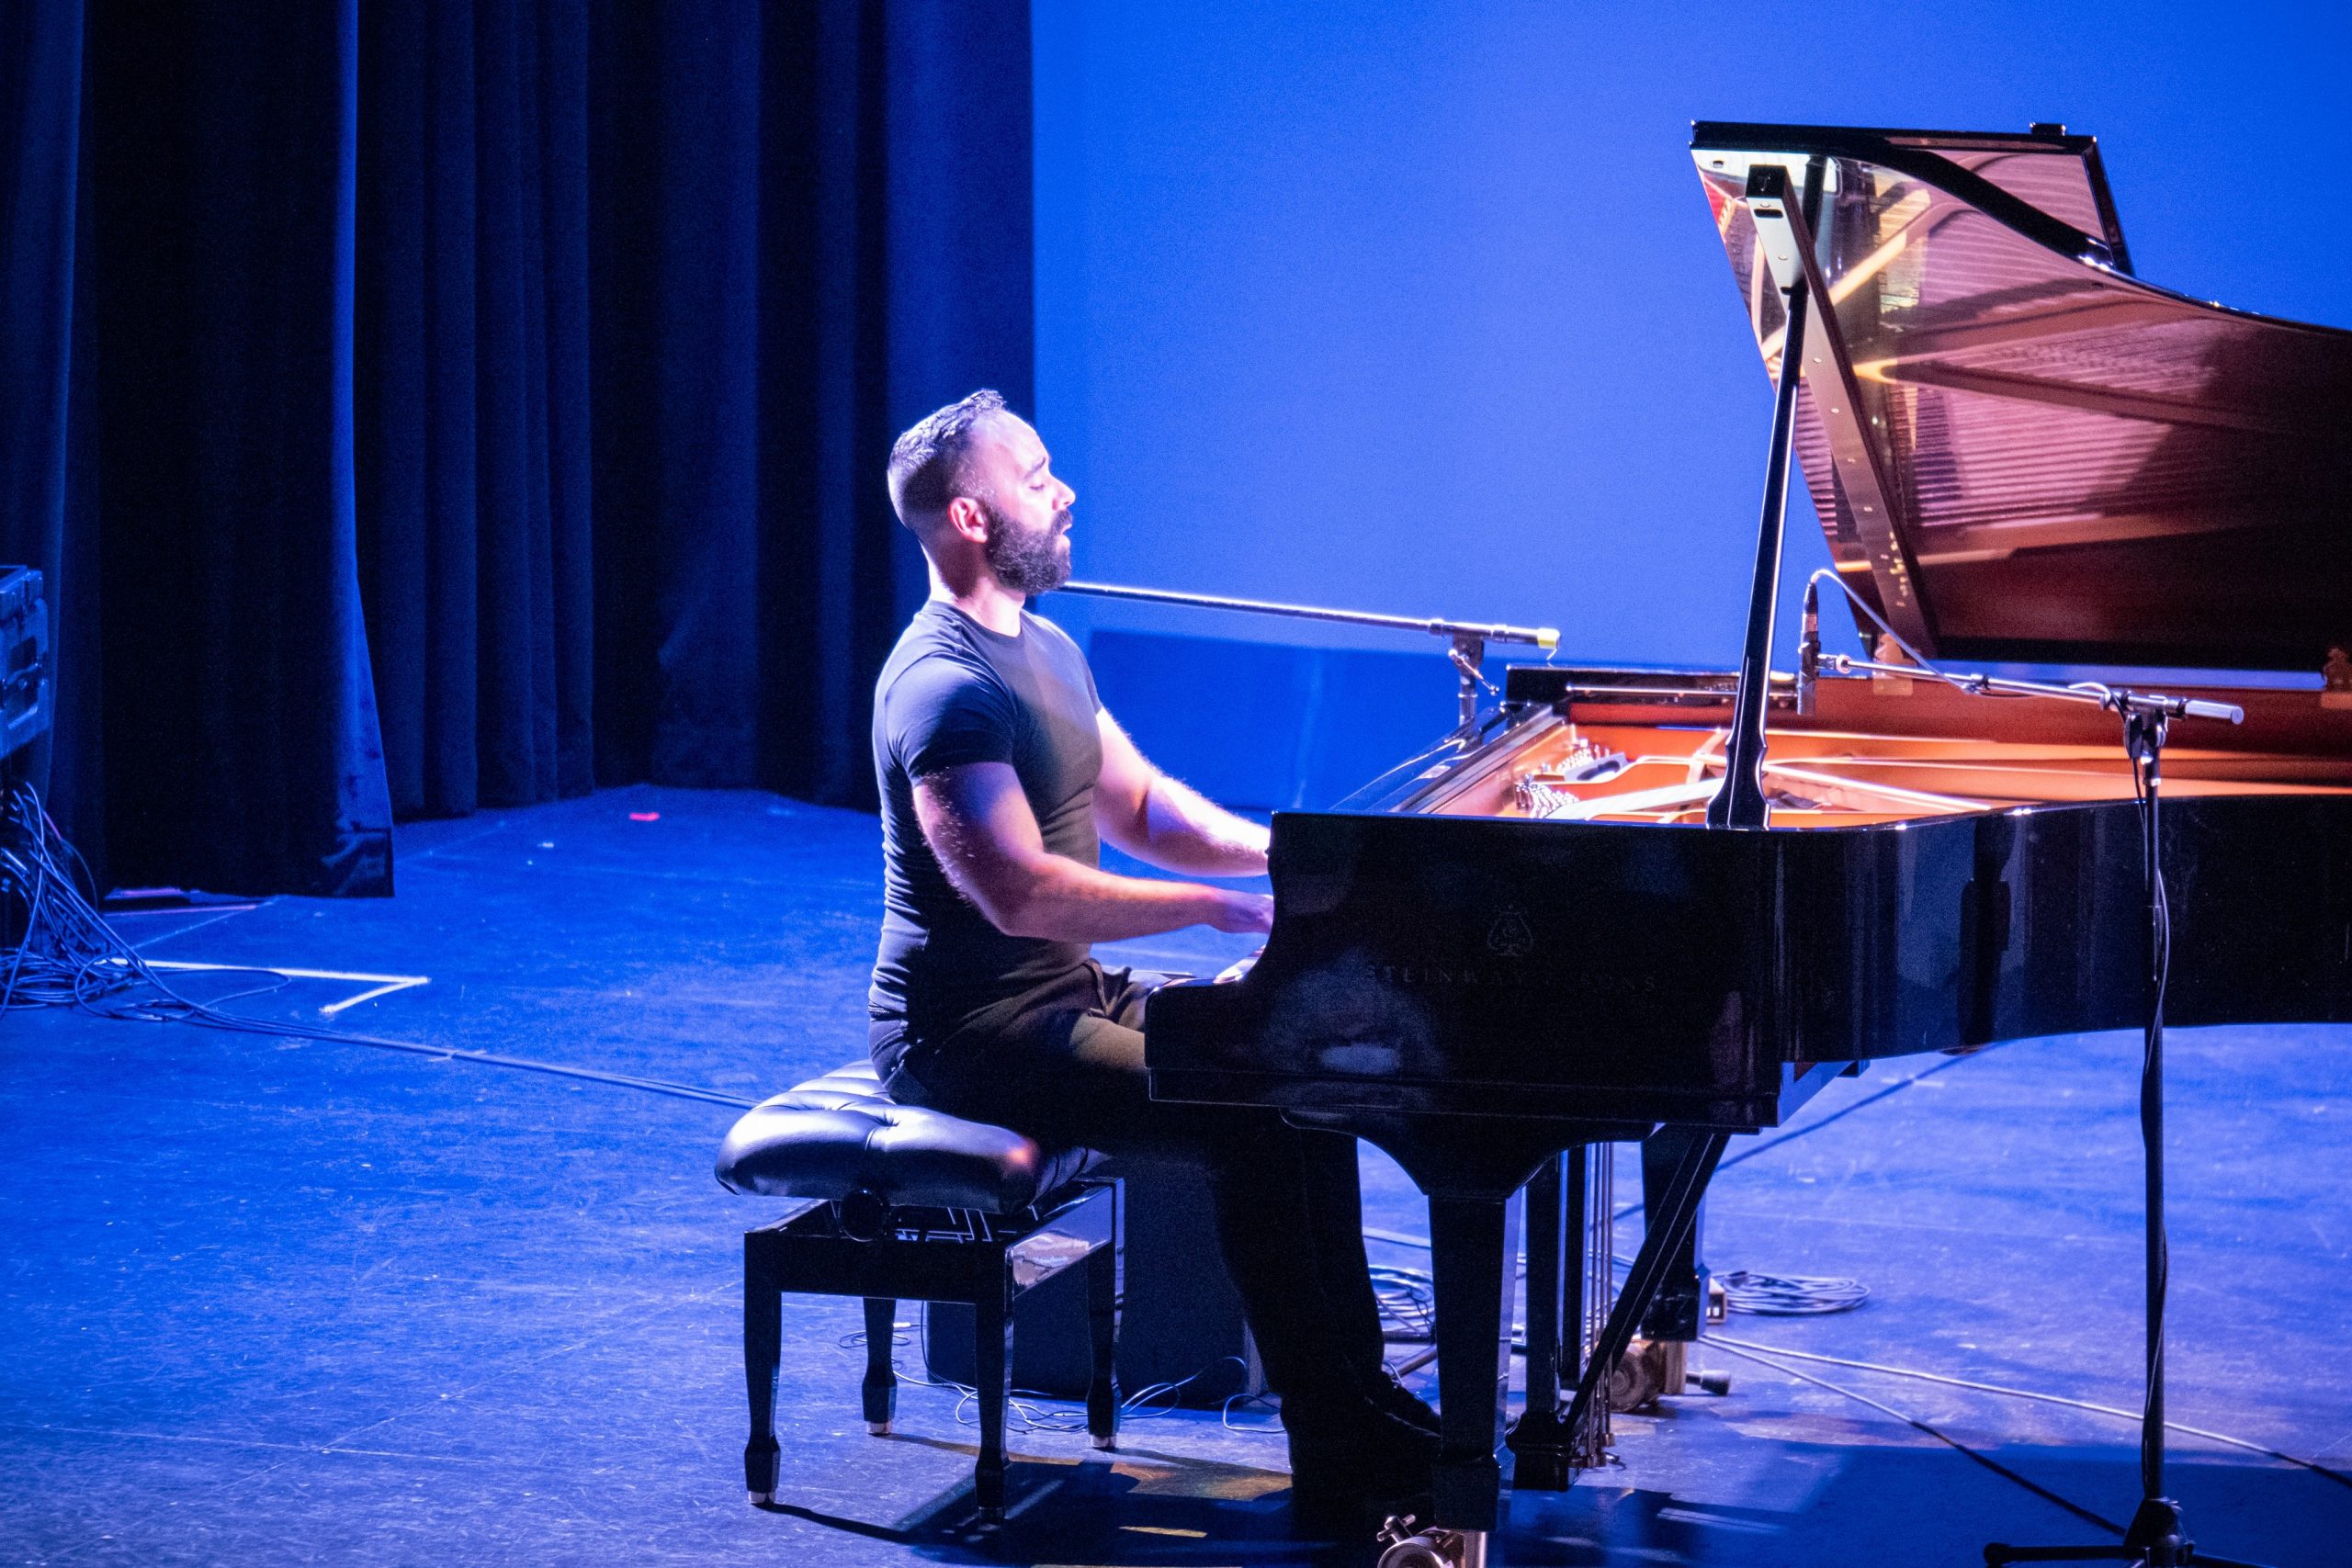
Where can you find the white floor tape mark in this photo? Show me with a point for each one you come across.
(384, 985)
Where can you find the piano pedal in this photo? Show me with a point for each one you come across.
(1653, 1368)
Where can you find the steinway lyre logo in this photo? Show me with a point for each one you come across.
(1510, 936)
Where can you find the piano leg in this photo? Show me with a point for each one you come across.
(1539, 1437)
(1472, 1256)
(1669, 1227)
(1679, 1308)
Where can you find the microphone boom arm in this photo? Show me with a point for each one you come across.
(1467, 640)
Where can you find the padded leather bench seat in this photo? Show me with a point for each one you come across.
(840, 1137)
(887, 1212)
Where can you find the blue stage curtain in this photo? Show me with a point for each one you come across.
(240, 737)
(646, 293)
(565, 336)
(810, 226)
(475, 522)
(47, 414)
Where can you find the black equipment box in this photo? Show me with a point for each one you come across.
(1180, 1317)
(24, 658)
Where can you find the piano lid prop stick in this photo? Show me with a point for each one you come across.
(1785, 234)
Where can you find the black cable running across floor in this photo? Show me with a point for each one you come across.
(71, 957)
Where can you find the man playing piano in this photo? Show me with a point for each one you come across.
(999, 773)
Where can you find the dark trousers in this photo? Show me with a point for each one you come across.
(1063, 1064)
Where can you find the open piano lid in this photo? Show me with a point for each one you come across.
(2076, 466)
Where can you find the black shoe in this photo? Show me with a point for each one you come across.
(1353, 1464)
(1391, 1397)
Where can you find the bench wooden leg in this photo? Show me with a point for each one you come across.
(992, 1372)
(763, 1350)
(1102, 1305)
(881, 1385)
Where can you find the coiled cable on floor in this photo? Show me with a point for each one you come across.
(1790, 1295)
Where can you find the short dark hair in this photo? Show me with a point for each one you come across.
(927, 463)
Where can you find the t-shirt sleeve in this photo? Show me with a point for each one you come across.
(942, 714)
(1072, 660)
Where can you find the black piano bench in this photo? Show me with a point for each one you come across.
(902, 1203)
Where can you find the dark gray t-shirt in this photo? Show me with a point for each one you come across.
(953, 693)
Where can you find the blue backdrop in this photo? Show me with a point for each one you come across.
(1417, 307)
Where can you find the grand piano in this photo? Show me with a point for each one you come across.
(1558, 927)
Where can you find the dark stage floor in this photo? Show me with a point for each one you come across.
(270, 1302)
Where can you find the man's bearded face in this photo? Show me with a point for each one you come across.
(1026, 560)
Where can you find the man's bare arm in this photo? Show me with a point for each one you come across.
(1167, 823)
(979, 825)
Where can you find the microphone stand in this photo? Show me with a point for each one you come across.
(1467, 640)
(2157, 1536)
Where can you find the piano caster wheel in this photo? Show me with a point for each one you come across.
(1411, 1546)
(1106, 1443)
(877, 1429)
(761, 1499)
(1717, 1383)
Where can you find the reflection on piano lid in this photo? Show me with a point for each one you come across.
(2077, 466)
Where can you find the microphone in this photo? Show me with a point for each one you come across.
(1809, 647)
(2130, 702)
